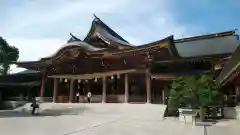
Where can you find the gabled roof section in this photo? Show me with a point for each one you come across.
(101, 31)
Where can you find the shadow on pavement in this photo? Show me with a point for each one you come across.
(43, 113)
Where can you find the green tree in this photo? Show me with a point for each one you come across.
(194, 92)
(8, 54)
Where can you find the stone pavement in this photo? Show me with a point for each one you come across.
(101, 119)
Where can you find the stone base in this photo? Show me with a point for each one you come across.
(188, 119)
(231, 112)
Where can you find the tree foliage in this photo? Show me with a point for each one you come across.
(194, 92)
(8, 54)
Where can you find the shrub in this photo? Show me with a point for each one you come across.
(194, 92)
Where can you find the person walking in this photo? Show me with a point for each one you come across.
(77, 96)
(34, 106)
(89, 95)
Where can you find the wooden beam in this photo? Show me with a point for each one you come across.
(94, 75)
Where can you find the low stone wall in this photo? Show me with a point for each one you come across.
(94, 99)
(115, 99)
(137, 99)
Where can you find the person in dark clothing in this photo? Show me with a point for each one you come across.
(34, 106)
(77, 97)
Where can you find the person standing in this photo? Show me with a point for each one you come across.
(77, 96)
(89, 95)
(34, 106)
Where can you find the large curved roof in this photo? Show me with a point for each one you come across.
(115, 46)
(85, 47)
(100, 30)
(211, 44)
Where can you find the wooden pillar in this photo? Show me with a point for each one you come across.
(55, 90)
(71, 95)
(148, 87)
(29, 94)
(42, 90)
(237, 92)
(104, 88)
(126, 88)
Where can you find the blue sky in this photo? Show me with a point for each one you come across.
(38, 28)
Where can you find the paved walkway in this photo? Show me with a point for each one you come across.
(85, 120)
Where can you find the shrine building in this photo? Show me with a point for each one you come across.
(116, 71)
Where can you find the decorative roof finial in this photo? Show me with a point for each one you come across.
(95, 17)
(73, 38)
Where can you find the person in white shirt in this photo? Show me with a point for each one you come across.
(89, 95)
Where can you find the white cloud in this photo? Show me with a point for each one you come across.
(34, 49)
(142, 22)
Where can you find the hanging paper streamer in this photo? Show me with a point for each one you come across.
(118, 76)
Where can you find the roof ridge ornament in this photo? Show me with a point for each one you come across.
(96, 18)
(73, 38)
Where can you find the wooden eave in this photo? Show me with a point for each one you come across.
(101, 54)
(142, 49)
(231, 69)
(18, 84)
(211, 58)
(172, 76)
(94, 75)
